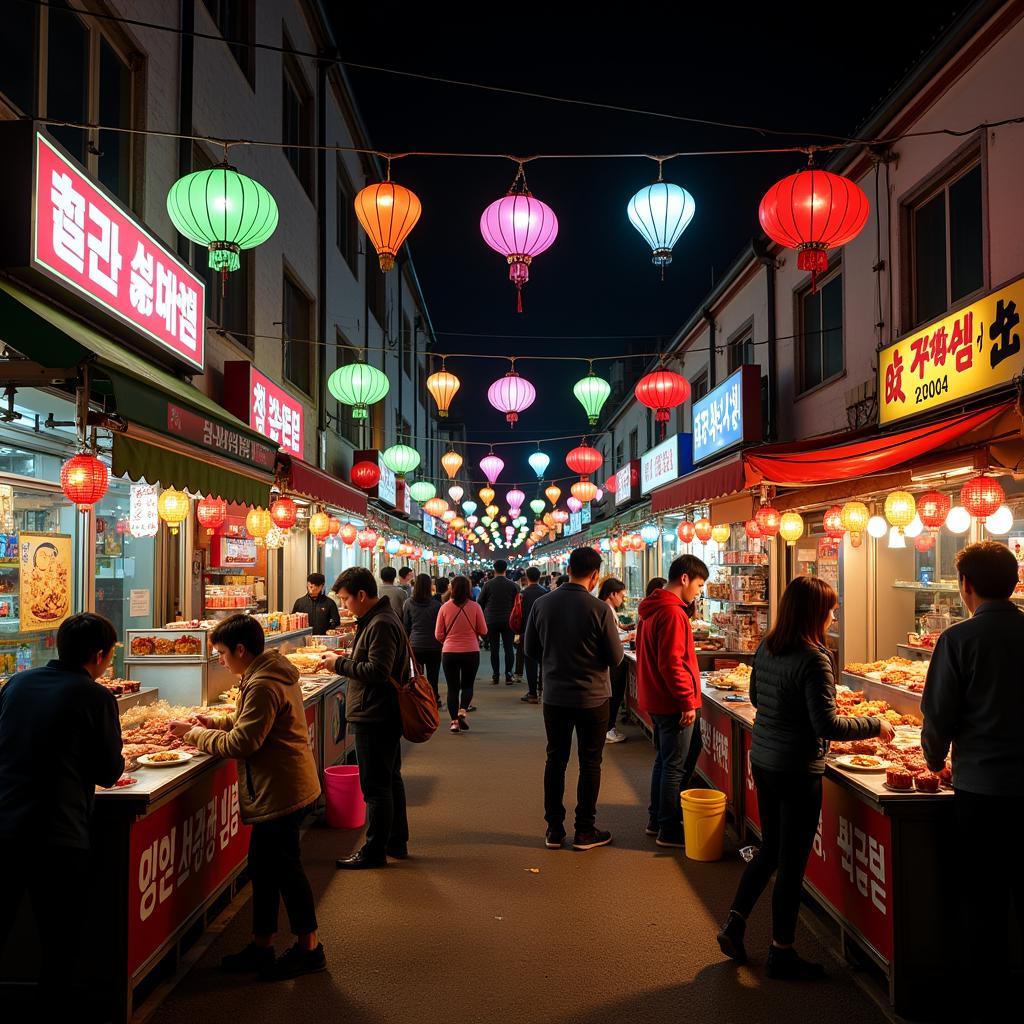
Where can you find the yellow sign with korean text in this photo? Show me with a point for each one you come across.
(45, 598)
(953, 359)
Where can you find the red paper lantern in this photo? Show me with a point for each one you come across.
(320, 526)
(349, 533)
(285, 513)
(768, 519)
(84, 479)
(924, 542)
(366, 475)
(335, 526)
(584, 460)
(662, 390)
(702, 528)
(813, 211)
(611, 484)
(366, 538)
(211, 514)
(982, 496)
(614, 545)
(833, 522)
(638, 542)
(752, 529)
(685, 531)
(933, 507)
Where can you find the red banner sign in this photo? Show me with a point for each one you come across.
(179, 855)
(851, 865)
(218, 438)
(750, 808)
(90, 244)
(264, 405)
(715, 761)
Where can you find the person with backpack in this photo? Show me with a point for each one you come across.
(460, 626)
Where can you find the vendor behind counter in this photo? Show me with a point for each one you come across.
(321, 609)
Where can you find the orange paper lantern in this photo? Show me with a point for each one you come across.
(388, 212)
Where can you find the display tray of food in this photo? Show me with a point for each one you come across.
(737, 678)
(165, 643)
(903, 673)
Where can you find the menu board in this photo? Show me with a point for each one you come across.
(45, 563)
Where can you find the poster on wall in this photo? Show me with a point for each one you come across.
(45, 598)
(6, 508)
(143, 520)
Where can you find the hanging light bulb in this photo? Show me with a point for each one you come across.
(897, 538)
(877, 527)
(1001, 521)
(914, 527)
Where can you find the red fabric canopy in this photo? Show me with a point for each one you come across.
(817, 461)
(310, 482)
(714, 482)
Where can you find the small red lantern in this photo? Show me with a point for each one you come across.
(933, 507)
(366, 538)
(686, 531)
(702, 528)
(662, 390)
(752, 529)
(833, 522)
(84, 479)
(611, 485)
(349, 533)
(285, 513)
(982, 496)
(924, 542)
(211, 514)
(584, 460)
(366, 475)
(769, 519)
(335, 526)
(638, 542)
(614, 545)
(813, 211)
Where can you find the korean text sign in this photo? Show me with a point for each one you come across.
(665, 462)
(88, 242)
(963, 354)
(264, 405)
(728, 415)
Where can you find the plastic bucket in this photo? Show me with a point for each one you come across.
(345, 806)
(703, 823)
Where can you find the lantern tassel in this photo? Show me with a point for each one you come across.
(519, 298)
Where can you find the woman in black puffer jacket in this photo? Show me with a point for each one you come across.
(419, 616)
(793, 688)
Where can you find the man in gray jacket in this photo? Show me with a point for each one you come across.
(395, 594)
(576, 639)
(379, 655)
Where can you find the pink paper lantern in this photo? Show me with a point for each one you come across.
(515, 498)
(574, 504)
(492, 467)
(519, 227)
(511, 394)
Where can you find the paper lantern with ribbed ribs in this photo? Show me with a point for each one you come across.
(320, 526)
(768, 519)
(366, 475)
(442, 386)
(686, 531)
(421, 491)
(661, 213)
(358, 385)
(592, 392)
(435, 507)
(791, 527)
(933, 507)
(285, 513)
(388, 212)
(703, 528)
(211, 513)
(584, 460)
(832, 522)
(349, 533)
(492, 467)
(982, 496)
(511, 395)
(662, 390)
(451, 462)
(172, 507)
(554, 493)
(84, 480)
(584, 490)
(400, 459)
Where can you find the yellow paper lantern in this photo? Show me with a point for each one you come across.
(553, 493)
(487, 495)
(720, 534)
(584, 490)
(791, 527)
(492, 510)
(442, 386)
(258, 524)
(172, 507)
(900, 509)
(854, 517)
(436, 507)
(320, 526)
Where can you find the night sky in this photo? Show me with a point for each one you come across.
(597, 279)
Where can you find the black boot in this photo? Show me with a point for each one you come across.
(730, 938)
(788, 965)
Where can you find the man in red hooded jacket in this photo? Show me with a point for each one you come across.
(668, 689)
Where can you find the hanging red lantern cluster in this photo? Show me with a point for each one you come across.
(367, 538)
(84, 480)
(933, 507)
(832, 522)
(211, 514)
(769, 519)
(662, 390)
(285, 513)
(686, 531)
(982, 496)
(702, 528)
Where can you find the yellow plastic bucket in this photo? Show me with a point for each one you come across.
(703, 823)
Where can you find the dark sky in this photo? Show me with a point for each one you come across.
(597, 279)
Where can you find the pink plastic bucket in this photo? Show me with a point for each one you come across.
(345, 806)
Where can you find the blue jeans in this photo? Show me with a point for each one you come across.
(672, 744)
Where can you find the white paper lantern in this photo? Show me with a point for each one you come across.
(877, 527)
(958, 520)
(1001, 521)
(914, 527)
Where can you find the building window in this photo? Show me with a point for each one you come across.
(346, 232)
(946, 243)
(407, 343)
(700, 386)
(634, 443)
(297, 321)
(741, 352)
(234, 20)
(348, 427)
(376, 289)
(19, 47)
(227, 305)
(820, 351)
(618, 457)
(297, 122)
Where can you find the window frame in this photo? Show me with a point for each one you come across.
(345, 190)
(800, 294)
(951, 170)
(737, 341)
(292, 75)
(290, 277)
(248, 44)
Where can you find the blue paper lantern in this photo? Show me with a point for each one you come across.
(649, 534)
(392, 546)
(539, 463)
(661, 213)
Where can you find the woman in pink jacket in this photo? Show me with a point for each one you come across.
(460, 625)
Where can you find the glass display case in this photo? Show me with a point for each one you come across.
(736, 598)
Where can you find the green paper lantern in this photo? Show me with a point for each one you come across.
(358, 385)
(486, 520)
(422, 491)
(401, 459)
(592, 392)
(538, 505)
(223, 210)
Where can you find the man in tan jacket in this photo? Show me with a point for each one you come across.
(277, 784)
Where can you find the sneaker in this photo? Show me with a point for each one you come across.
(494, 680)
(295, 962)
(251, 960)
(589, 840)
(454, 727)
(529, 698)
(614, 736)
(788, 965)
(554, 838)
(472, 707)
(730, 938)
(674, 839)
(463, 724)
(509, 681)
(652, 828)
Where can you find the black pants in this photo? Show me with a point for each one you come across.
(520, 658)
(57, 881)
(379, 756)
(590, 725)
(501, 635)
(619, 677)
(275, 867)
(989, 832)
(790, 806)
(430, 661)
(460, 674)
(532, 675)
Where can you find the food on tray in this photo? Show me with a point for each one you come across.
(853, 702)
(924, 640)
(898, 778)
(737, 678)
(164, 646)
(927, 782)
(305, 663)
(313, 649)
(165, 757)
(865, 761)
(120, 687)
(187, 645)
(142, 646)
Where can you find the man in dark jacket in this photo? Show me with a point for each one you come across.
(531, 592)
(379, 655)
(496, 601)
(576, 639)
(321, 609)
(972, 701)
(59, 739)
